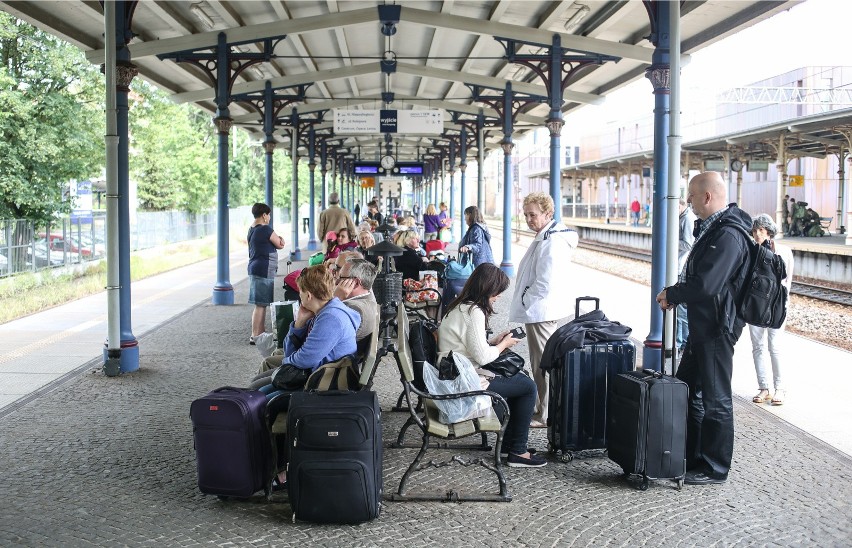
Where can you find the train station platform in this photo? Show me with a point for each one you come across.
(91, 460)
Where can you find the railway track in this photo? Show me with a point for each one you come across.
(814, 291)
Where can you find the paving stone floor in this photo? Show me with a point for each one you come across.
(98, 461)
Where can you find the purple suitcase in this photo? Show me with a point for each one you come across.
(233, 451)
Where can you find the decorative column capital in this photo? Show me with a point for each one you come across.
(462, 167)
(507, 147)
(269, 146)
(125, 72)
(323, 171)
(223, 125)
(312, 165)
(555, 126)
(659, 75)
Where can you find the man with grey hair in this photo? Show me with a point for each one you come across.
(333, 218)
(354, 287)
(709, 284)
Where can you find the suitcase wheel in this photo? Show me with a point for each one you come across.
(680, 484)
(567, 456)
(644, 485)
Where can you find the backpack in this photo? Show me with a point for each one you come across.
(423, 341)
(762, 301)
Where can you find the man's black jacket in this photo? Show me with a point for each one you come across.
(585, 329)
(715, 273)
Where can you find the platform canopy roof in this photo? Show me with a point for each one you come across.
(441, 48)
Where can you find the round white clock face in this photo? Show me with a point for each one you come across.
(736, 165)
(388, 162)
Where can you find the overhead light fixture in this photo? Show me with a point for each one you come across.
(201, 15)
(582, 11)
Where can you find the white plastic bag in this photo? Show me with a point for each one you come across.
(265, 344)
(460, 409)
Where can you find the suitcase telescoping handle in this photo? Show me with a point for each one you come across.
(673, 312)
(580, 299)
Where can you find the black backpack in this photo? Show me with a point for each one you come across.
(423, 341)
(762, 301)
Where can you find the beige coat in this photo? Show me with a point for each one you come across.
(334, 218)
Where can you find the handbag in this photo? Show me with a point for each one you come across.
(337, 375)
(316, 258)
(458, 270)
(508, 364)
(289, 377)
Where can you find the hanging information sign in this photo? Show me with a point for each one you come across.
(359, 122)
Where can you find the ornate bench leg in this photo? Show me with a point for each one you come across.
(504, 490)
(414, 465)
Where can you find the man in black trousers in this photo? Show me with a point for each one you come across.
(709, 284)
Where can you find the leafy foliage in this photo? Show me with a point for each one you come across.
(51, 126)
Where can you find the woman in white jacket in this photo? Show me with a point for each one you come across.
(542, 287)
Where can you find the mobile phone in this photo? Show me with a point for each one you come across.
(518, 333)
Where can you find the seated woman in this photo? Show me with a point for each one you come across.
(323, 331)
(463, 330)
(410, 263)
(344, 242)
(365, 242)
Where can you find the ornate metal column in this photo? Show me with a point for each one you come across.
(126, 352)
(312, 166)
(659, 74)
(480, 161)
(295, 252)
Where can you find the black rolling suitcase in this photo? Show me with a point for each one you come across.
(577, 405)
(233, 450)
(647, 426)
(335, 444)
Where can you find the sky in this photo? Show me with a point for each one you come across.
(814, 33)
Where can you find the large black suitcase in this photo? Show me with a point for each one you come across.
(335, 444)
(233, 450)
(577, 405)
(647, 426)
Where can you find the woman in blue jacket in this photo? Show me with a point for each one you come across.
(477, 239)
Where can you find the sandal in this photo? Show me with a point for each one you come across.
(778, 398)
(762, 396)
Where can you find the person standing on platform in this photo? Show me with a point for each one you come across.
(373, 213)
(635, 209)
(416, 210)
(334, 218)
(684, 245)
(263, 244)
(357, 212)
(764, 230)
(714, 274)
(431, 223)
(542, 287)
(477, 239)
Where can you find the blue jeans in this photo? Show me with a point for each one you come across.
(519, 391)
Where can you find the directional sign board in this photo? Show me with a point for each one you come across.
(359, 122)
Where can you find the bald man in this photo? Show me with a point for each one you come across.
(714, 274)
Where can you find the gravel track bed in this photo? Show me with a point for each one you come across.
(812, 318)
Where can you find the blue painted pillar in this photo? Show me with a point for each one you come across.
(453, 214)
(268, 147)
(295, 252)
(125, 71)
(462, 169)
(507, 145)
(480, 161)
(312, 166)
(323, 172)
(658, 73)
(223, 291)
(555, 123)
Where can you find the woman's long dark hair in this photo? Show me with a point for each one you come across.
(486, 281)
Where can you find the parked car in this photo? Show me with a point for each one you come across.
(55, 257)
(71, 245)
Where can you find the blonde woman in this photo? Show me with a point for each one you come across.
(431, 223)
(410, 263)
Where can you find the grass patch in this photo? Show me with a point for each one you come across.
(29, 293)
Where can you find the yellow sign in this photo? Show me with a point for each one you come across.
(797, 180)
(368, 182)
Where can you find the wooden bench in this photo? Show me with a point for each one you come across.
(434, 430)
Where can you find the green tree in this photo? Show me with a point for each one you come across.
(51, 121)
(173, 159)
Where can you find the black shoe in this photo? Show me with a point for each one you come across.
(516, 461)
(504, 451)
(699, 477)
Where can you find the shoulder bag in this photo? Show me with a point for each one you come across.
(508, 364)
